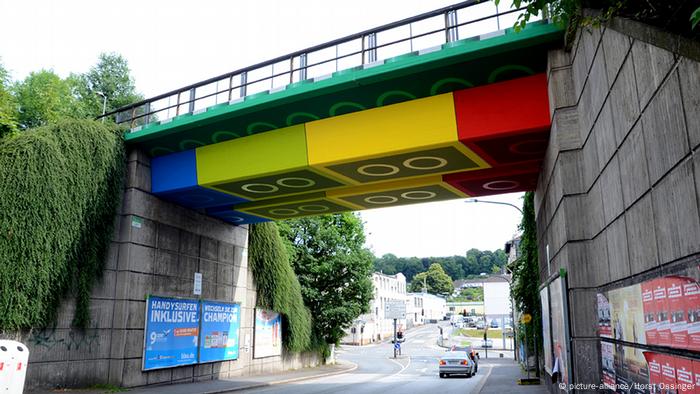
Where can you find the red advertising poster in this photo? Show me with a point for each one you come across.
(654, 364)
(662, 319)
(668, 373)
(604, 326)
(696, 374)
(691, 294)
(607, 355)
(649, 312)
(684, 375)
(677, 311)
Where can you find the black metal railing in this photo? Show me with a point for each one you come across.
(318, 62)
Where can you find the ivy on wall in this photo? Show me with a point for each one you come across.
(59, 190)
(526, 276)
(278, 288)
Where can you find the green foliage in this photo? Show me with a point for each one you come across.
(110, 76)
(672, 15)
(333, 268)
(59, 191)
(278, 288)
(8, 106)
(457, 267)
(469, 294)
(493, 333)
(44, 98)
(526, 273)
(435, 279)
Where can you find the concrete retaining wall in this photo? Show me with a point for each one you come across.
(157, 247)
(618, 195)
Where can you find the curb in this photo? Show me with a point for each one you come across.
(483, 381)
(351, 368)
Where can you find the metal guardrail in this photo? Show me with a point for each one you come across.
(320, 61)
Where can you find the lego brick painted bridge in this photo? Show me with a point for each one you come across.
(448, 104)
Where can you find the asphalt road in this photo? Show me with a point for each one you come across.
(415, 371)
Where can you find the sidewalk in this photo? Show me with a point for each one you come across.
(502, 377)
(502, 374)
(232, 384)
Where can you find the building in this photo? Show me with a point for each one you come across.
(422, 308)
(373, 326)
(496, 304)
(470, 308)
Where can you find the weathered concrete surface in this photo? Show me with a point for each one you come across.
(156, 249)
(629, 184)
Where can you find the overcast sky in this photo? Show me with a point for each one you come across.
(172, 43)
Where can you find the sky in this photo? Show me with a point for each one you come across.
(173, 43)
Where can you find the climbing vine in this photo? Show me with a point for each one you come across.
(526, 275)
(59, 191)
(278, 288)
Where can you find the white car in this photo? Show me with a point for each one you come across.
(456, 363)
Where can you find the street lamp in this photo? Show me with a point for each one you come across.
(104, 104)
(512, 309)
(495, 202)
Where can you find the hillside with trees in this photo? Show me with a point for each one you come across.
(472, 264)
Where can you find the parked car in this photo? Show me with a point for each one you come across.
(494, 324)
(480, 325)
(456, 363)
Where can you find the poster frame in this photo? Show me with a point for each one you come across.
(255, 330)
(562, 276)
(201, 324)
(145, 332)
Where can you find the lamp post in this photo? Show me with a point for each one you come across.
(512, 310)
(104, 104)
(495, 202)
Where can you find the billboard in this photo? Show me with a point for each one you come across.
(267, 339)
(546, 332)
(219, 334)
(171, 335)
(607, 357)
(604, 327)
(663, 311)
(559, 328)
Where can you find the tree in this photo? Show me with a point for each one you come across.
(469, 294)
(333, 268)
(436, 281)
(111, 76)
(43, 98)
(8, 106)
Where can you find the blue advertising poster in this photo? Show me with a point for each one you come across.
(172, 332)
(219, 336)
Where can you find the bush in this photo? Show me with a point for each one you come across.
(59, 191)
(278, 288)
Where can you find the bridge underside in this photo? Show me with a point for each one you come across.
(468, 119)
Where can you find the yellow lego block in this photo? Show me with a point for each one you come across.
(410, 139)
(402, 192)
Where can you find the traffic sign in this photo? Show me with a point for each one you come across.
(395, 309)
(397, 346)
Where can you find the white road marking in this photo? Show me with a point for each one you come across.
(403, 368)
(483, 380)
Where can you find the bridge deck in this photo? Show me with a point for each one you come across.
(456, 65)
(466, 118)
